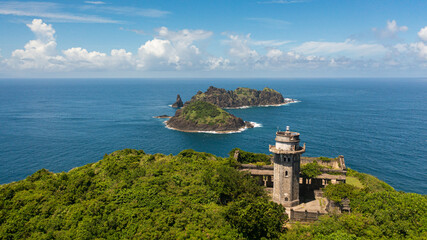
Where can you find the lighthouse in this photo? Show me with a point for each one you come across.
(287, 153)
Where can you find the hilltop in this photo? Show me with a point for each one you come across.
(240, 97)
(130, 194)
(203, 116)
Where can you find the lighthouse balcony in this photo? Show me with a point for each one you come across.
(276, 150)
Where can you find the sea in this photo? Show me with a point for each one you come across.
(379, 125)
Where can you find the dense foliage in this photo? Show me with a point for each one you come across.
(311, 170)
(133, 195)
(249, 157)
(205, 113)
(377, 212)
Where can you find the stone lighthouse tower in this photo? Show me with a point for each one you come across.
(287, 153)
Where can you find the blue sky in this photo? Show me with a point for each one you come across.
(195, 38)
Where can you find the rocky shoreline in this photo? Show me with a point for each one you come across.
(240, 97)
(247, 126)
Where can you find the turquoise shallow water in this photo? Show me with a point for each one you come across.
(379, 125)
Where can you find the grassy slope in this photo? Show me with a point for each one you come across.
(130, 194)
(378, 212)
(205, 113)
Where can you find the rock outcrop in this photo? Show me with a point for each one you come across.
(203, 116)
(241, 97)
(178, 103)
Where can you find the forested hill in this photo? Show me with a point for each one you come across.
(132, 195)
(240, 97)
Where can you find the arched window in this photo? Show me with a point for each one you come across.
(286, 173)
(286, 199)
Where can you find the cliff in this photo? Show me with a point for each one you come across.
(178, 103)
(203, 116)
(241, 97)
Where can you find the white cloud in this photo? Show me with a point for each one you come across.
(81, 58)
(172, 49)
(393, 28)
(214, 63)
(180, 51)
(39, 53)
(390, 31)
(185, 36)
(49, 10)
(422, 34)
(420, 48)
(348, 48)
(128, 11)
(42, 30)
(268, 43)
(239, 47)
(95, 2)
(274, 53)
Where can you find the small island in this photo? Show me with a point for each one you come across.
(200, 116)
(241, 97)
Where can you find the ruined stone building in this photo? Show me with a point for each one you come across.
(284, 182)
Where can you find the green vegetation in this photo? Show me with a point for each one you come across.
(132, 195)
(248, 157)
(205, 113)
(310, 170)
(371, 183)
(377, 212)
(325, 159)
(266, 89)
(354, 181)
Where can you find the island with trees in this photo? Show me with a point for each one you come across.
(200, 116)
(241, 97)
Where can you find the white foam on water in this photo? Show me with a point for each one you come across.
(256, 125)
(288, 100)
(215, 132)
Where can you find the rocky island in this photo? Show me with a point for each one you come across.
(241, 97)
(178, 103)
(200, 116)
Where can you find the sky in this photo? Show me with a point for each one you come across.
(213, 38)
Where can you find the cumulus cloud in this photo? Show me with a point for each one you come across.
(239, 47)
(168, 50)
(422, 34)
(390, 31)
(39, 53)
(172, 49)
(180, 51)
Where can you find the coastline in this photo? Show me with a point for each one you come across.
(214, 132)
(269, 105)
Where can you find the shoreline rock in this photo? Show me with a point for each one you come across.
(178, 103)
(162, 116)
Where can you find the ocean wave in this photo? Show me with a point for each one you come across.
(256, 125)
(217, 132)
(271, 105)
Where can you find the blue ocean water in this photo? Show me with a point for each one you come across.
(379, 125)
